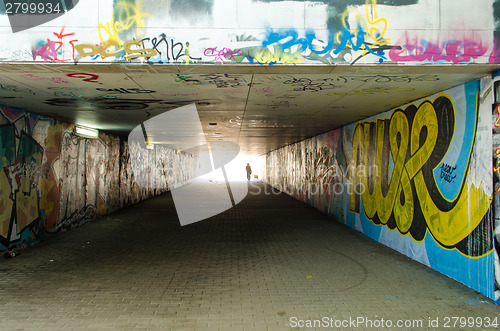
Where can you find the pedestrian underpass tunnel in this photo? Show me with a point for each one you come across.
(235, 154)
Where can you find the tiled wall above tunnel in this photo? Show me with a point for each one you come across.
(52, 180)
(262, 32)
(416, 178)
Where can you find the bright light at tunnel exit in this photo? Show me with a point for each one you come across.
(236, 169)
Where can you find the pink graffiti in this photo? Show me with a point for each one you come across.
(53, 50)
(56, 80)
(46, 51)
(267, 91)
(495, 54)
(223, 54)
(454, 51)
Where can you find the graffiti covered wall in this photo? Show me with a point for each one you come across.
(417, 179)
(262, 32)
(52, 180)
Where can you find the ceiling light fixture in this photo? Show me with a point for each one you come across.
(86, 132)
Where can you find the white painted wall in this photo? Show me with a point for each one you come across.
(243, 27)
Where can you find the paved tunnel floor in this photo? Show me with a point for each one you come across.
(270, 263)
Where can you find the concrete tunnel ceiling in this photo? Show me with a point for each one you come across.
(260, 108)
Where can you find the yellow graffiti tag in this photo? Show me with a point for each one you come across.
(26, 204)
(265, 56)
(6, 204)
(48, 187)
(374, 26)
(137, 52)
(103, 50)
(111, 35)
(373, 21)
(128, 14)
(381, 199)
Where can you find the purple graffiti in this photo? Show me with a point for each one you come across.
(454, 51)
(47, 51)
(52, 50)
(56, 80)
(495, 54)
(223, 54)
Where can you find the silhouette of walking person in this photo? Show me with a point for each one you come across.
(249, 171)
